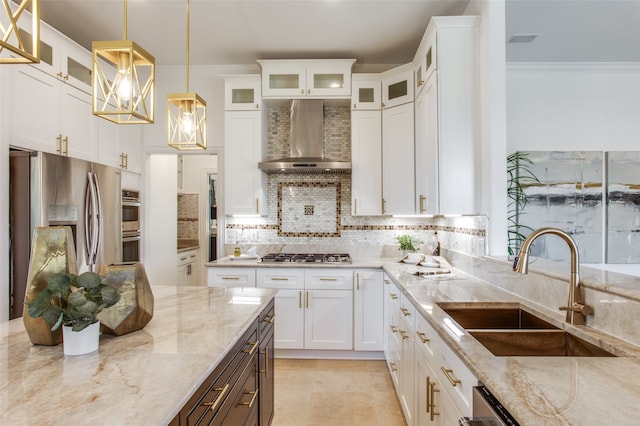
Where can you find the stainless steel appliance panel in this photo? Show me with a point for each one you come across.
(60, 190)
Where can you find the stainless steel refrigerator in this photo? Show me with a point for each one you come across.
(69, 192)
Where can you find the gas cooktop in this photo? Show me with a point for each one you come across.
(306, 258)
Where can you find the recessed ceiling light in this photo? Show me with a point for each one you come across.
(523, 38)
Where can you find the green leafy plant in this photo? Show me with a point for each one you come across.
(408, 242)
(519, 174)
(73, 300)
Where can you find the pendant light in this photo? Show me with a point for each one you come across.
(13, 39)
(186, 113)
(123, 80)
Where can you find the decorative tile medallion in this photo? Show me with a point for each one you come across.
(309, 209)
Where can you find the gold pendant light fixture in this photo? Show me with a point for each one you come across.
(186, 113)
(16, 40)
(123, 80)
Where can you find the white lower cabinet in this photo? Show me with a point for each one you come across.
(314, 307)
(368, 315)
(433, 386)
(187, 263)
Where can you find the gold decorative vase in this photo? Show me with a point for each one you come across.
(52, 251)
(135, 308)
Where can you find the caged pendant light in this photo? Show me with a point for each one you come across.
(123, 80)
(16, 45)
(186, 113)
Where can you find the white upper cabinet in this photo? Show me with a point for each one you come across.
(366, 93)
(242, 93)
(397, 86)
(119, 146)
(397, 160)
(306, 78)
(244, 143)
(50, 116)
(447, 116)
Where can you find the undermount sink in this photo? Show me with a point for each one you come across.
(503, 316)
(537, 343)
(506, 329)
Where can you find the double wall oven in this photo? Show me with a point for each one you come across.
(130, 225)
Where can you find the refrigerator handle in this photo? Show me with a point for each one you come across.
(98, 217)
(88, 222)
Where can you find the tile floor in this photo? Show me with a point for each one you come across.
(318, 392)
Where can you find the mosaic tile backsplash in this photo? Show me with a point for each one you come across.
(319, 219)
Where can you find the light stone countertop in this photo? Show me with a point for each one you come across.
(535, 390)
(144, 377)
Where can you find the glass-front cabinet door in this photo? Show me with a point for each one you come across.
(242, 92)
(365, 92)
(306, 78)
(397, 86)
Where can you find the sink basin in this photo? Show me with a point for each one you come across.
(537, 343)
(506, 329)
(494, 316)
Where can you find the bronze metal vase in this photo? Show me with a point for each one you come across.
(135, 307)
(52, 251)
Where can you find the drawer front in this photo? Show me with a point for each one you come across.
(455, 379)
(243, 403)
(407, 313)
(266, 320)
(328, 279)
(286, 278)
(231, 277)
(426, 339)
(219, 386)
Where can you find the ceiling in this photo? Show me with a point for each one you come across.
(374, 32)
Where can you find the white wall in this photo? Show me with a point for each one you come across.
(590, 107)
(493, 150)
(159, 229)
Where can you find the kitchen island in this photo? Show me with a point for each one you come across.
(536, 390)
(145, 377)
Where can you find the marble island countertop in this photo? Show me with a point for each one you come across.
(536, 390)
(144, 377)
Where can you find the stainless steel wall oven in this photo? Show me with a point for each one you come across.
(130, 225)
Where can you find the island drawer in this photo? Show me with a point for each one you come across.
(243, 403)
(210, 400)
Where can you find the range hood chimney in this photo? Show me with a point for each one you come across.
(306, 142)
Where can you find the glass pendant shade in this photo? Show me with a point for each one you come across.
(123, 82)
(16, 45)
(186, 121)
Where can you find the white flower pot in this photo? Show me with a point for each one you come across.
(81, 342)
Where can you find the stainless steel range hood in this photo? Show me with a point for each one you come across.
(306, 142)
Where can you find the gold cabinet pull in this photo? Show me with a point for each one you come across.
(66, 146)
(405, 312)
(254, 345)
(428, 388)
(393, 366)
(448, 372)
(422, 198)
(404, 334)
(266, 362)
(422, 336)
(59, 140)
(394, 329)
(218, 400)
(387, 282)
(383, 201)
(300, 299)
(393, 296)
(279, 279)
(420, 83)
(355, 202)
(307, 297)
(230, 278)
(358, 281)
(253, 398)
(328, 279)
(432, 407)
(257, 205)
(270, 319)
